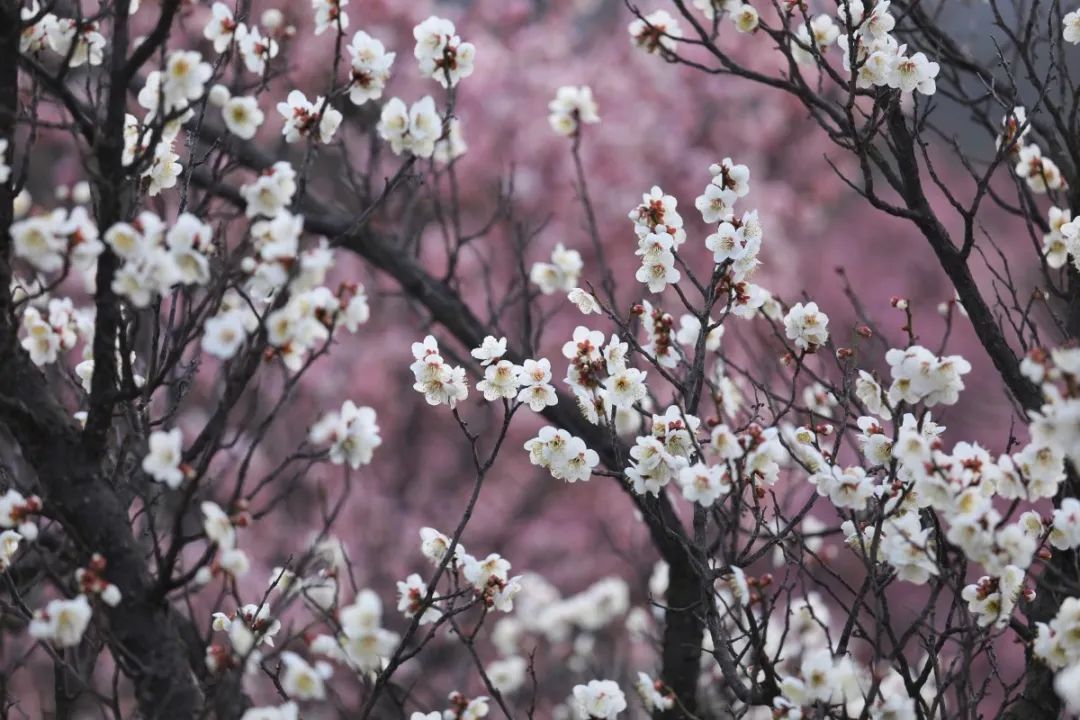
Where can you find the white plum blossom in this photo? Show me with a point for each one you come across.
(242, 116)
(572, 107)
(223, 334)
(255, 50)
(78, 41)
(807, 326)
(163, 461)
(1041, 173)
(508, 675)
(441, 53)
(300, 680)
(370, 70)
(599, 700)
(566, 457)
(411, 594)
(561, 274)
(218, 526)
(271, 192)
(15, 512)
(585, 301)
(353, 434)
(1071, 29)
(500, 381)
(9, 545)
(221, 28)
(439, 382)
(62, 622)
(920, 376)
(451, 145)
(656, 31)
(704, 484)
(287, 711)
(745, 18)
(304, 118)
(1067, 682)
(328, 14)
(491, 350)
(914, 73)
(534, 380)
(411, 129)
(821, 33)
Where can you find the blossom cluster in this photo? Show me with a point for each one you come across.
(78, 40)
(659, 229)
(561, 274)
(870, 51)
(528, 383)
(566, 457)
(440, 382)
(441, 53)
(1040, 173)
(352, 433)
(572, 107)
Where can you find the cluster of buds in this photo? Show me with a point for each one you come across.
(91, 581)
(587, 367)
(659, 329)
(16, 511)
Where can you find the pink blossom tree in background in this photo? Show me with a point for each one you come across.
(539, 360)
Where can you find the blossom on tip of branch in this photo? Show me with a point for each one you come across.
(745, 18)
(709, 8)
(561, 274)
(9, 545)
(353, 434)
(914, 73)
(304, 118)
(656, 31)
(807, 326)
(439, 382)
(271, 192)
(223, 334)
(328, 14)
(287, 711)
(572, 106)
(302, 681)
(822, 33)
(441, 53)
(62, 622)
(535, 382)
(1041, 173)
(566, 457)
(490, 350)
(500, 381)
(599, 700)
(162, 462)
(451, 145)
(218, 526)
(1070, 27)
(654, 694)
(221, 27)
(15, 512)
(703, 484)
(410, 129)
(370, 68)
(920, 376)
(242, 116)
(411, 594)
